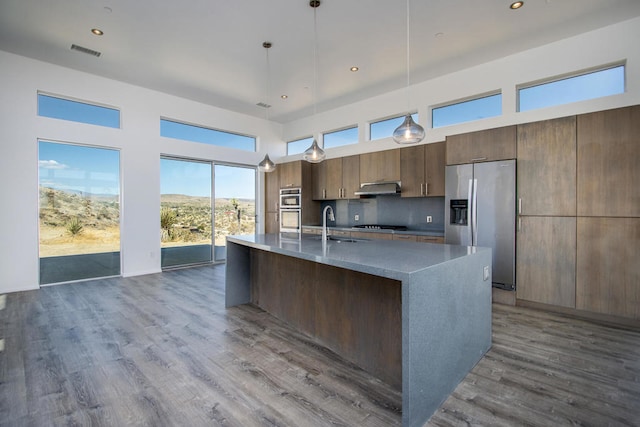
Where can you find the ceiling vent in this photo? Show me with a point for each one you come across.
(263, 105)
(85, 50)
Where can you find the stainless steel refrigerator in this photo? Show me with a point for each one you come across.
(480, 210)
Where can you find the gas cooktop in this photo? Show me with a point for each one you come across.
(382, 227)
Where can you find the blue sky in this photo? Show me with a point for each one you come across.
(77, 168)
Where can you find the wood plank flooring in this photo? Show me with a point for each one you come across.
(161, 350)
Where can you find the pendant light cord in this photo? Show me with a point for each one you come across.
(315, 60)
(268, 80)
(408, 63)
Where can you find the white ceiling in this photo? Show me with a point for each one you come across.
(211, 50)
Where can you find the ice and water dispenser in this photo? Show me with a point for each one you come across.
(459, 211)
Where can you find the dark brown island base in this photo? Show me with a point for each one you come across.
(416, 315)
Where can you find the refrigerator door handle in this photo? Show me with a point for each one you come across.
(471, 207)
(474, 213)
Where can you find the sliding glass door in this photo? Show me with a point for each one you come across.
(79, 210)
(235, 204)
(185, 212)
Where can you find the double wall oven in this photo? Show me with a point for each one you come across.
(290, 210)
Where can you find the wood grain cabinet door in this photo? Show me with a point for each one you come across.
(547, 167)
(608, 278)
(412, 171)
(290, 174)
(350, 176)
(272, 191)
(546, 260)
(482, 146)
(609, 163)
(380, 166)
(435, 162)
(333, 178)
(319, 180)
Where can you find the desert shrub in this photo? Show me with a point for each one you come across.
(74, 226)
(168, 219)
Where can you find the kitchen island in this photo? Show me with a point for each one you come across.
(416, 315)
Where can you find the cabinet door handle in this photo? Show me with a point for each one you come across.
(520, 206)
(421, 189)
(426, 188)
(478, 159)
(324, 193)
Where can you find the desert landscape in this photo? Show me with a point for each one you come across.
(73, 223)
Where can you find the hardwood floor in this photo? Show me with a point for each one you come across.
(161, 350)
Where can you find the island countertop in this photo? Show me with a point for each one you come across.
(392, 259)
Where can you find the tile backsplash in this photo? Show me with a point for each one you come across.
(391, 210)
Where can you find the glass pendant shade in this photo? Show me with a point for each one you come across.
(266, 165)
(314, 154)
(409, 132)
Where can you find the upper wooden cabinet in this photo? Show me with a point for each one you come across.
(336, 178)
(350, 176)
(482, 146)
(381, 166)
(422, 170)
(547, 167)
(272, 191)
(290, 174)
(609, 163)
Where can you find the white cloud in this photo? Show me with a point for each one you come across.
(51, 164)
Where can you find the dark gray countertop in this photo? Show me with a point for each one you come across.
(386, 258)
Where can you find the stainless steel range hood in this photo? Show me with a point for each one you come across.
(378, 188)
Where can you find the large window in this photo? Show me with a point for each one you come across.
(235, 204)
(594, 84)
(194, 220)
(340, 137)
(299, 145)
(76, 111)
(187, 132)
(467, 111)
(185, 212)
(79, 211)
(385, 128)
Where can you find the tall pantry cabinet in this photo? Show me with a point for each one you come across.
(608, 232)
(546, 226)
(578, 232)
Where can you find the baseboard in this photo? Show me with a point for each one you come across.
(502, 296)
(605, 319)
(141, 273)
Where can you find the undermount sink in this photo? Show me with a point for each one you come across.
(339, 239)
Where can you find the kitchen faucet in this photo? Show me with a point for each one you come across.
(324, 221)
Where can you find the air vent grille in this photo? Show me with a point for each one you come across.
(263, 105)
(85, 50)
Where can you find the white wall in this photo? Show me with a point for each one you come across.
(603, 46)
(140, 149)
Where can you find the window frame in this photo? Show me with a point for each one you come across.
(342, 129)
(569, 76)
(414, 115)
(477, 97)
(207, 128)
(73, 100)
(310, 138)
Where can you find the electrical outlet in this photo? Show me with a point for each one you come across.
(356, 217)
(429, 218)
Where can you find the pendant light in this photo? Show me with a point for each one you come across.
(314, 154)
(409, 132)
(266, 165)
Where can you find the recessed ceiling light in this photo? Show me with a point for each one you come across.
(516, 5)
(284, 96)
(97, 32)
(354, 69)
